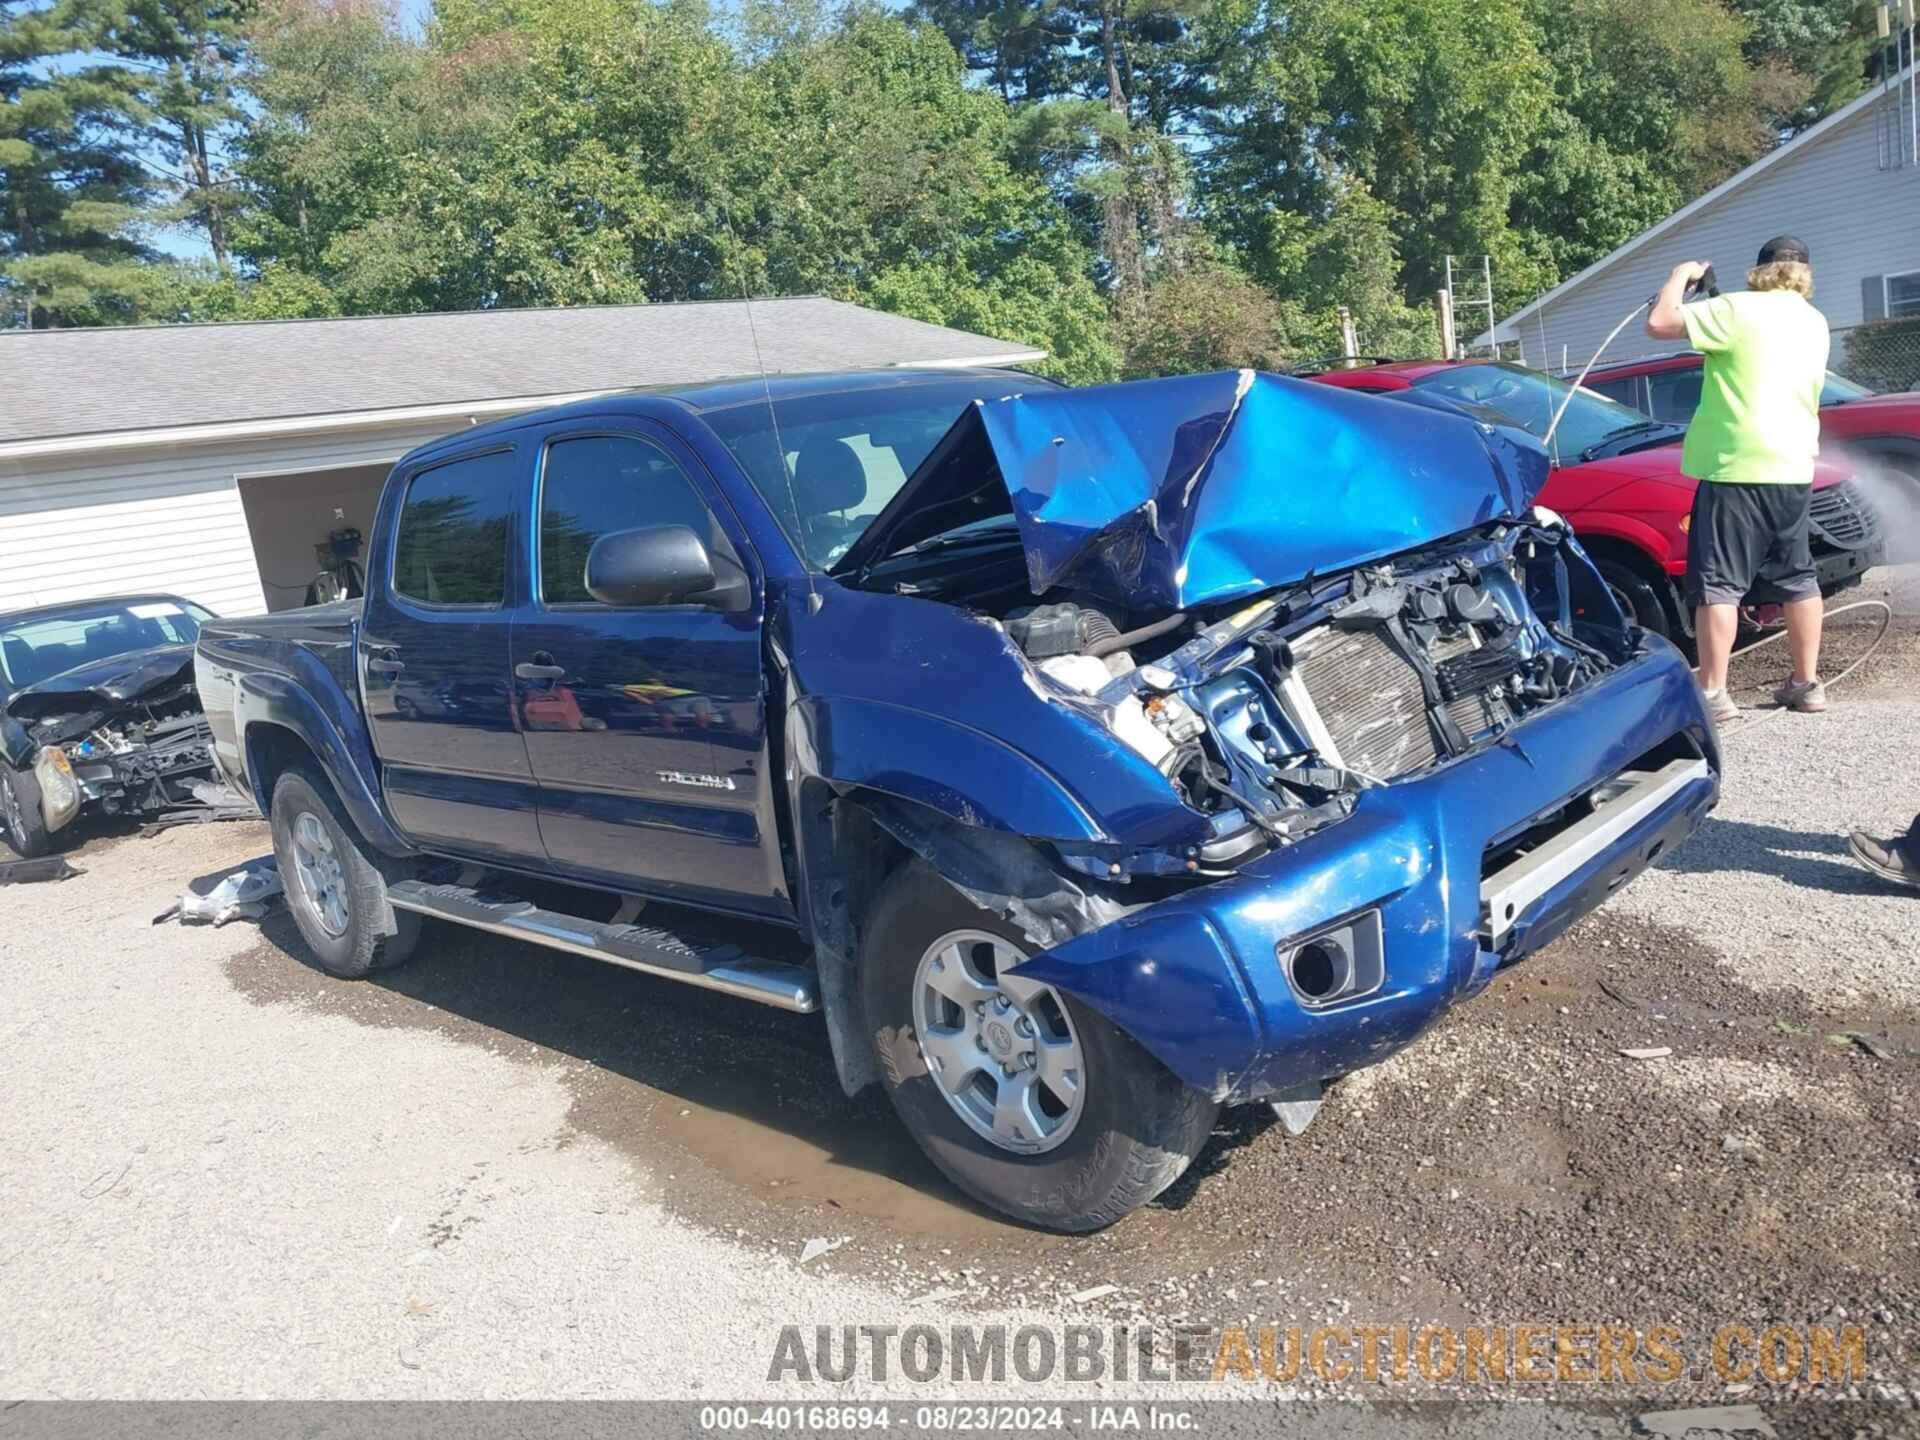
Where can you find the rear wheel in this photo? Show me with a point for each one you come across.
(336, 888)
(20, 818)
(1024, 1098)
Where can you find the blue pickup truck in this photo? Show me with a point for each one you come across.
(1088, 759)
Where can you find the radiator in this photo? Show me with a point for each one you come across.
(1368, 699)
(1353, 689)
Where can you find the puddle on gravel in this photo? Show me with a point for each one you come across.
(1512, 1164)
(747, 1094)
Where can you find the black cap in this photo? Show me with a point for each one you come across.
(1785, 247)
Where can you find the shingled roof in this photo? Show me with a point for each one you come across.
(72, 383)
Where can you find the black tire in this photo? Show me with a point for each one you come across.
(1139, 1127)
(24, 826)
(355, 943)
(1640, 595)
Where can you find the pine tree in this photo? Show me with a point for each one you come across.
(70, 187)
(179, 68)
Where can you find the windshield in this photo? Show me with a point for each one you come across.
(1528, 399)
(36, 649)
(847, 453)
(1838, 390)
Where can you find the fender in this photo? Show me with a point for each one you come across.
(339, 742)
(952, 774)
(1630, 531)
(960, 772)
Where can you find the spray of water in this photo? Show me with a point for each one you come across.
(1893, 487)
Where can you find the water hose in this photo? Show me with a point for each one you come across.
(1760, 717)
(1574, 389)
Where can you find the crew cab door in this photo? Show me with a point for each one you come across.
(434, 657)
(645, 725)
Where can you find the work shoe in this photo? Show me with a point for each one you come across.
(1886, 858)
(1809, 697)
(1720, 706)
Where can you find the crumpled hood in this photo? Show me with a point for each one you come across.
(112, 681)
(1169, 494)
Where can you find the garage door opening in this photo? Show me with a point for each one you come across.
(290, 515)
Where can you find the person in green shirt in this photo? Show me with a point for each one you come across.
(1752, 444)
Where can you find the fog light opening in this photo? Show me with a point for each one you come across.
(1321, 969)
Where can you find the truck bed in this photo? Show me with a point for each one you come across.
(325, 633)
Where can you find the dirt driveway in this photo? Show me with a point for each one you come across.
(505, 1172)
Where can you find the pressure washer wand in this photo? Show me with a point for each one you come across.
(1707, 285)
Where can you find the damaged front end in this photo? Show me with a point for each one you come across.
(1401, 733)
(135, 743)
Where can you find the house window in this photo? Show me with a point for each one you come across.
(1903, 295)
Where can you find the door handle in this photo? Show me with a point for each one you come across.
(541, 667)
(385, 664)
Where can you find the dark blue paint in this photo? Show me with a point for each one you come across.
(651, 751)
(454, 767)
(308, 704)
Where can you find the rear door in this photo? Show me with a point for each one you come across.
(436, 666)
(645, 726)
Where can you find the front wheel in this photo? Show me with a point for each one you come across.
(1024, 1098)
(1637, 596)
(20, 818)
(335, 888)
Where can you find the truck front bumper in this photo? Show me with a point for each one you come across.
(1446, 876)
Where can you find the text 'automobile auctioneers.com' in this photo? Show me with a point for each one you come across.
(1321, 1355)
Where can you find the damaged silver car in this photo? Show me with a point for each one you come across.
(98, 713)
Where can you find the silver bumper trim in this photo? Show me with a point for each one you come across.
(1506, 895)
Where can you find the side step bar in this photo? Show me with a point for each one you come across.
(726, 968)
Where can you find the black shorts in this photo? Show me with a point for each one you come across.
(1749, 544)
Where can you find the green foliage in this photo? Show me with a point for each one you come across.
(595, 151)
(69, 187)
(1134, 186)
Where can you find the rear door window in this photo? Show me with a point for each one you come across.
(451, 547)
(1626, 391)
(1676, 394)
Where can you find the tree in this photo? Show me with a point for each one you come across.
(71, 189)
(542, 152)
(174, 66)
(1431, 105)
(1649, 109)
(1825, 48)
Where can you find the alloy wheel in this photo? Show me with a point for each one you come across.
(1001, 1049)
(322, 880)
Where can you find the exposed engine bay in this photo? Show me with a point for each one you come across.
(150, 755)
(1271, 719)
(139, 757)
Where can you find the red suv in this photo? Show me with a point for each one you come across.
(1853, 420)
(1617, 479)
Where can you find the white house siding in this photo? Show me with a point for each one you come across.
(109, 523)
(1858, 219)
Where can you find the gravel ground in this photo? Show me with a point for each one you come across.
(500, 1172)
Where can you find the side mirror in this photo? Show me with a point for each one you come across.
(654, 565)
